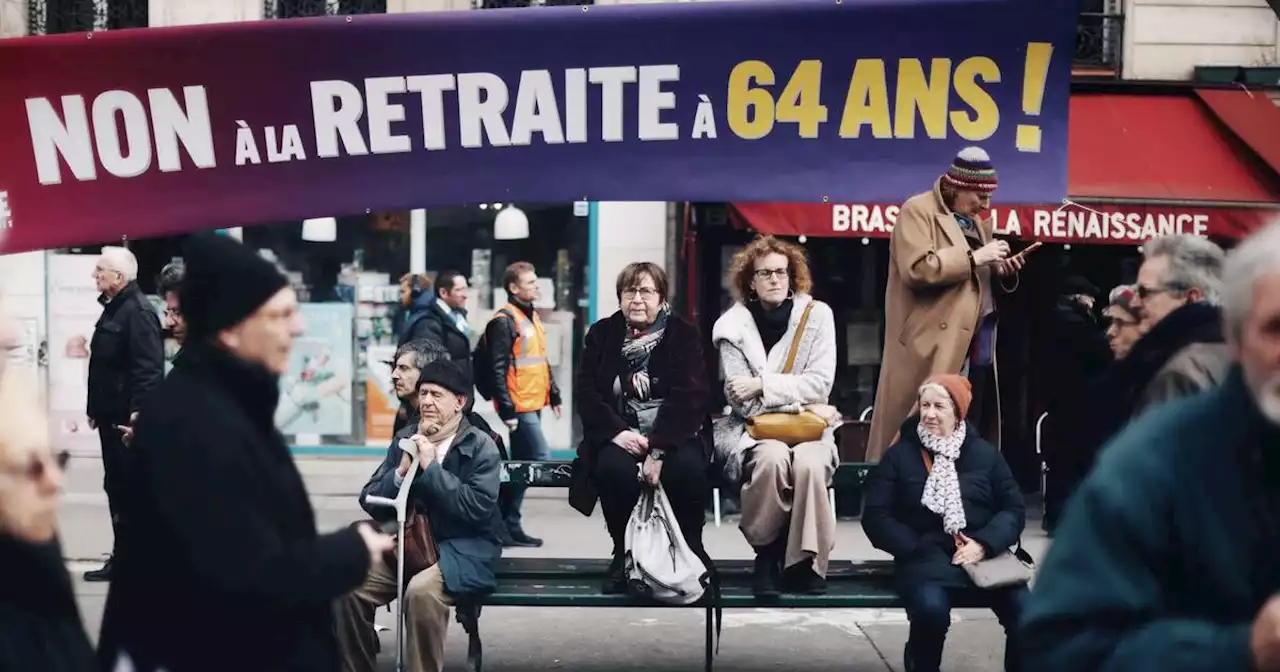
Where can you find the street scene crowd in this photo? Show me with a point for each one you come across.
(1163, 444)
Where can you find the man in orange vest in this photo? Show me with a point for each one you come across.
(522, 382)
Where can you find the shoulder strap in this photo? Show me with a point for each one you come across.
(928, 460)
(795, 341)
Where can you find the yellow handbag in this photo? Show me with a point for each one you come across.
(789, 428)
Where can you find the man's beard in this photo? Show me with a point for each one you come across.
(1266, 393)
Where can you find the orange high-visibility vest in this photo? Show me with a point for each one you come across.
(529, 376)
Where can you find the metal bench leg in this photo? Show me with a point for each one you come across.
(468, 614)
(715, 504)
(831, 499)
(710, 637)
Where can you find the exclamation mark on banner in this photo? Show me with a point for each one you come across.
(1033, 81)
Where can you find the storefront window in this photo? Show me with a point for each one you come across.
(463, 239)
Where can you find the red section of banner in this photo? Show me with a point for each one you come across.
(1100, 224)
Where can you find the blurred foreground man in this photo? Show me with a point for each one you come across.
(223, 569)
(1168, 558)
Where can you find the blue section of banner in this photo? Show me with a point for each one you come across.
(804, 100)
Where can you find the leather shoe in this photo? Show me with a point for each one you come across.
(102, 574)
(520, 539)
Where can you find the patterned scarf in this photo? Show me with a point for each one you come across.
(942, 489)
(636, 348)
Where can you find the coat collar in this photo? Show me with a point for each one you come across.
(947, 220)
(111, 303)
(738, 328)
(255, 390)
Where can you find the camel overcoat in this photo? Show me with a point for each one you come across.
(931, 306)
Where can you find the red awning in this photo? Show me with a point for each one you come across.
(1139, 166)
(1252, 117)
(1161, 147)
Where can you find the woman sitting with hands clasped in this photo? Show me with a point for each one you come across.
(643, 399)
(777, 348)
(942, 498)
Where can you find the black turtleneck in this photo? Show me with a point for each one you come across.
(771, 322)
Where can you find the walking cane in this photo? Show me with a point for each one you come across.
(401, 505)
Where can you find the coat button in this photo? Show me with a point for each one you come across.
(943, 325)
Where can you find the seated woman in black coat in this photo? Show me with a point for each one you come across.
(942, 497)
(643, 399)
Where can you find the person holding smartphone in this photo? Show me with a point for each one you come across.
(940, 310)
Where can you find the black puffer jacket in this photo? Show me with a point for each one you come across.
(897, 523)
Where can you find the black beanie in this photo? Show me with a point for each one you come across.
(1076, 284)
(225, 283)
(447, 374)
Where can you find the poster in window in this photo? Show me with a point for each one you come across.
(316, 389)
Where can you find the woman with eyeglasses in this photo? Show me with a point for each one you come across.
(777, 348)
(643, 397)
(40, 626)
(1123, 326)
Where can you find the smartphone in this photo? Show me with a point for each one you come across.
(1029, 249)
(390, 527)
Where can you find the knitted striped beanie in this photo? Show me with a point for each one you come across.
(972, 171)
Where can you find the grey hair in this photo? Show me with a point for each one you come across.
(1256, 256)
(424, 352)
(1194, 262)
(122, 261)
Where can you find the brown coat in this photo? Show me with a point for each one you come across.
(931, 307)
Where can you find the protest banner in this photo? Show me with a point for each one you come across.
(166, 130)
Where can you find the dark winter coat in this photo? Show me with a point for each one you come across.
(440, 326)
(1169, 548)
(126, 356)
(222, 568)
(40, 627)
(460, 496)
(1146, 374)
(897, 523)
(409, 320)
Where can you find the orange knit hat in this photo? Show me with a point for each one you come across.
(959, 389)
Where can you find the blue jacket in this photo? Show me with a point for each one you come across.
(460, 497)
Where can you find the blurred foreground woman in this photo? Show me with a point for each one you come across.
(40, 627)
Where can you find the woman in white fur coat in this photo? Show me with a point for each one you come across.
(786, 515)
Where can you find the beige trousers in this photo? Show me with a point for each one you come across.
(426, 616)
(786, 494)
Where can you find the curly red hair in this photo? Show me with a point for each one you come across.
(743, 266)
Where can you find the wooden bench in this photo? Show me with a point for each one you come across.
(560, 582)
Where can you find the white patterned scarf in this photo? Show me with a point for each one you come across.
(636, 348)
(942, 489)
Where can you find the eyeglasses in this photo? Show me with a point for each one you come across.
(766, 273)
(38, 467)
(1144, 292)
(646, 293)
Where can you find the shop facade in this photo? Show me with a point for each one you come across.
(345, 269)
(1142, 162)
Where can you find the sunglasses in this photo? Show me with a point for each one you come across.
(37, 467)
(1144, 292)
